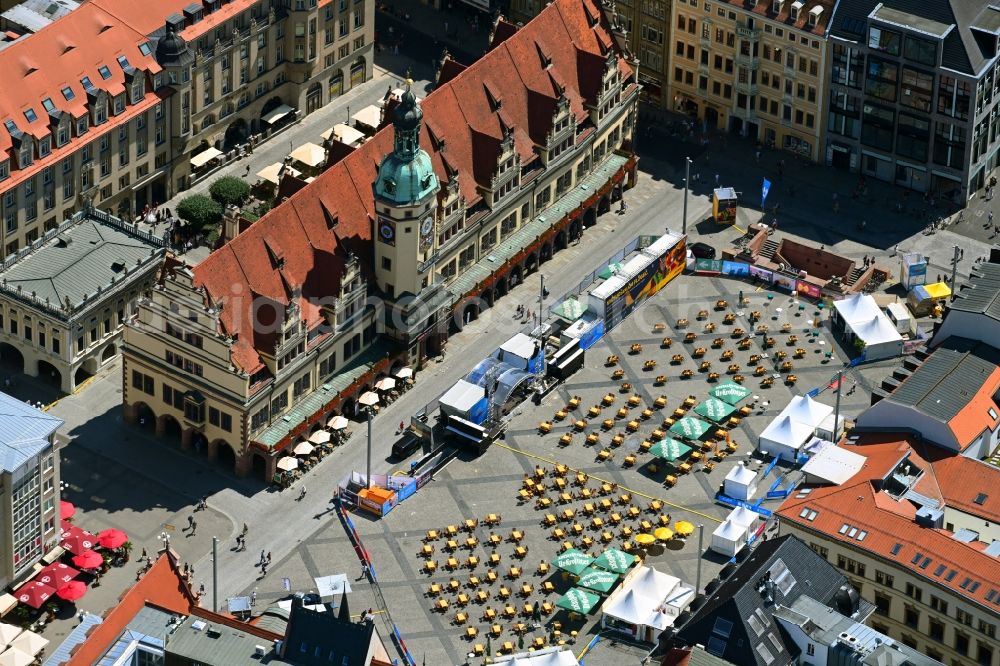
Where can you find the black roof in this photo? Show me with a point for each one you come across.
(736, 623)
(960, 49)
(321, 637)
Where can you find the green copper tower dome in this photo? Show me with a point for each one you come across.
(405, 175)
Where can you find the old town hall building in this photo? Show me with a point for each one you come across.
(374, 263)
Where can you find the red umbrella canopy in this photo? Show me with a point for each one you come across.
(88, 559)
(112, 538)
(77, 540)
(35, 594)
(72, 591)
(56, 574)
(66, 509)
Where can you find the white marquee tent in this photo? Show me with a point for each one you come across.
(729, 538)
(784, 436)
(740, 483)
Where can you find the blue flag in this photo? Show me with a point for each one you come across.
(764, 189)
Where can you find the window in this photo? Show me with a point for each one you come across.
(935, 629)
(938, 604)
(852, 566)
(917, 89)
(914, 592)
(68, 93)
(877, 127)
(919, 50)
(883, 604)
(883, 578)
(963, 617)
(912, 137)
(881, 78)
(953, 97)
(911, 617)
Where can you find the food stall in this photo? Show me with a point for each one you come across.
(724, 205)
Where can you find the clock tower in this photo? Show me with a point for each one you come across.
(405, 203)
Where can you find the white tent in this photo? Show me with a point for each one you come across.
(554, 656)
(859, 307)
(461, 398)
(744, 517)
(647, 602)
(833, 464)
(517, 351)
(330, 587)
(740, 483)
(880, 337)
(804, 409)
(784, 437)
(728, 538)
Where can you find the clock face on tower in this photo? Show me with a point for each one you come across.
(427, 232)
(387, 232)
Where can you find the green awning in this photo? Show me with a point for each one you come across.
(714, 409)
(670, 449)
(690, 427)
(597, 579)
(615, 560)
(573, 561)
(609, 270)
(570, 309)
(730, 392)
(578, 601)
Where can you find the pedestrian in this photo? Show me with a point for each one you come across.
(253, 597)
(364, 571)
(268, 557)
(191, 522)
(402, 426)
(263, 570)
(302, 494)
(144, 556)
(989, 219)
(244, 529)
(201, 590)
(263, 557)
(194, 526)
(247, 173)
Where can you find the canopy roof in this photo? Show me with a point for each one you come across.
(615, 560)
(714, 409)
(877, 330)
(690, 427)
(804, 409)
(786, 431)
(730, 392)
(858, 307)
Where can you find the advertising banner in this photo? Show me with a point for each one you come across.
(736, 268)
(784, 282)
(648, 282)
(708, 266)
(592, 335)
(808, 289)
(761, 274)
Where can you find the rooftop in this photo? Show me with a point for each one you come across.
(201, 640)
(24, 432)
(87, 254)
(858, 513)
(563, 50)
(907, 20)
(980, 294)
(34, 15)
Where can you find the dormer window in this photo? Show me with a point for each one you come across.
(44, 146)
(123, 62)
(81, 126)
(138, 89)
(145, 49)
(30, 115)
(104, 72)
(26, 156)
(62, 132)
(68, 93)
(4, 169)
(48, 105)
(796, 7)
(87, 84)
(10, 125)
(119, 103)
(776, 6)
(814, 15)
(101, 112)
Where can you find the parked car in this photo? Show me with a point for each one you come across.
(702, 250)
(406, 446)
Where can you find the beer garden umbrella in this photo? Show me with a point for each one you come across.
(88, 559)
(574, 561)
(15, 657)
(670, 449)
(684, 528)
(66, 509)
(56, 574)
(8, 632)
(730, 392)
(689, 427)
(597, 579)
(663, 533)
(112, 538)
(714, 409)
(337, 422)
(30, 643)
(578, 601)
(35, 594)
(615, 560)
(287, 464)
(385, 384)
(319, 437)
(644, 539)
(72, 590)
(404, 373)
(77, 540)
(303, 449)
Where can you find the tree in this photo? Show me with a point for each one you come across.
(200, 211)
(229, 190)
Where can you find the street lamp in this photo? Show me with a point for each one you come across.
(369, 399)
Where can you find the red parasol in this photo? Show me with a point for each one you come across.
(88, 559)
(72, 590)
(56, 574)
(66, 509)
(35, 594)
(112, 538)
(77, 540)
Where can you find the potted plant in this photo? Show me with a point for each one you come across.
(106, 564)
(50, 610)
(127, 550)
(23, 616)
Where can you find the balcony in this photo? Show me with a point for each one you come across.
(747, 88)
(743, 32)
(745, 114)
(749, 62)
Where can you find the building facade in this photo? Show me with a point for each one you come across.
(65, 297)
(754, 68)
(479, 185)
(29, 488)
(109, 103)
(913, 94)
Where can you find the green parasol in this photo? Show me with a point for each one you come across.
(573, 561)
(615, 560)
(714, 409)
(597, 579)
(578, 601)
(609, 270)
(730, 392)
(570, 309)
(689, 427)
(670, 449)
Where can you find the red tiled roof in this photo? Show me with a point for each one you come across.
(763, 8)
(887, 521)
(974, 418)
(58, 56)
(162, 586)
(962, 480)
(463, 113)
